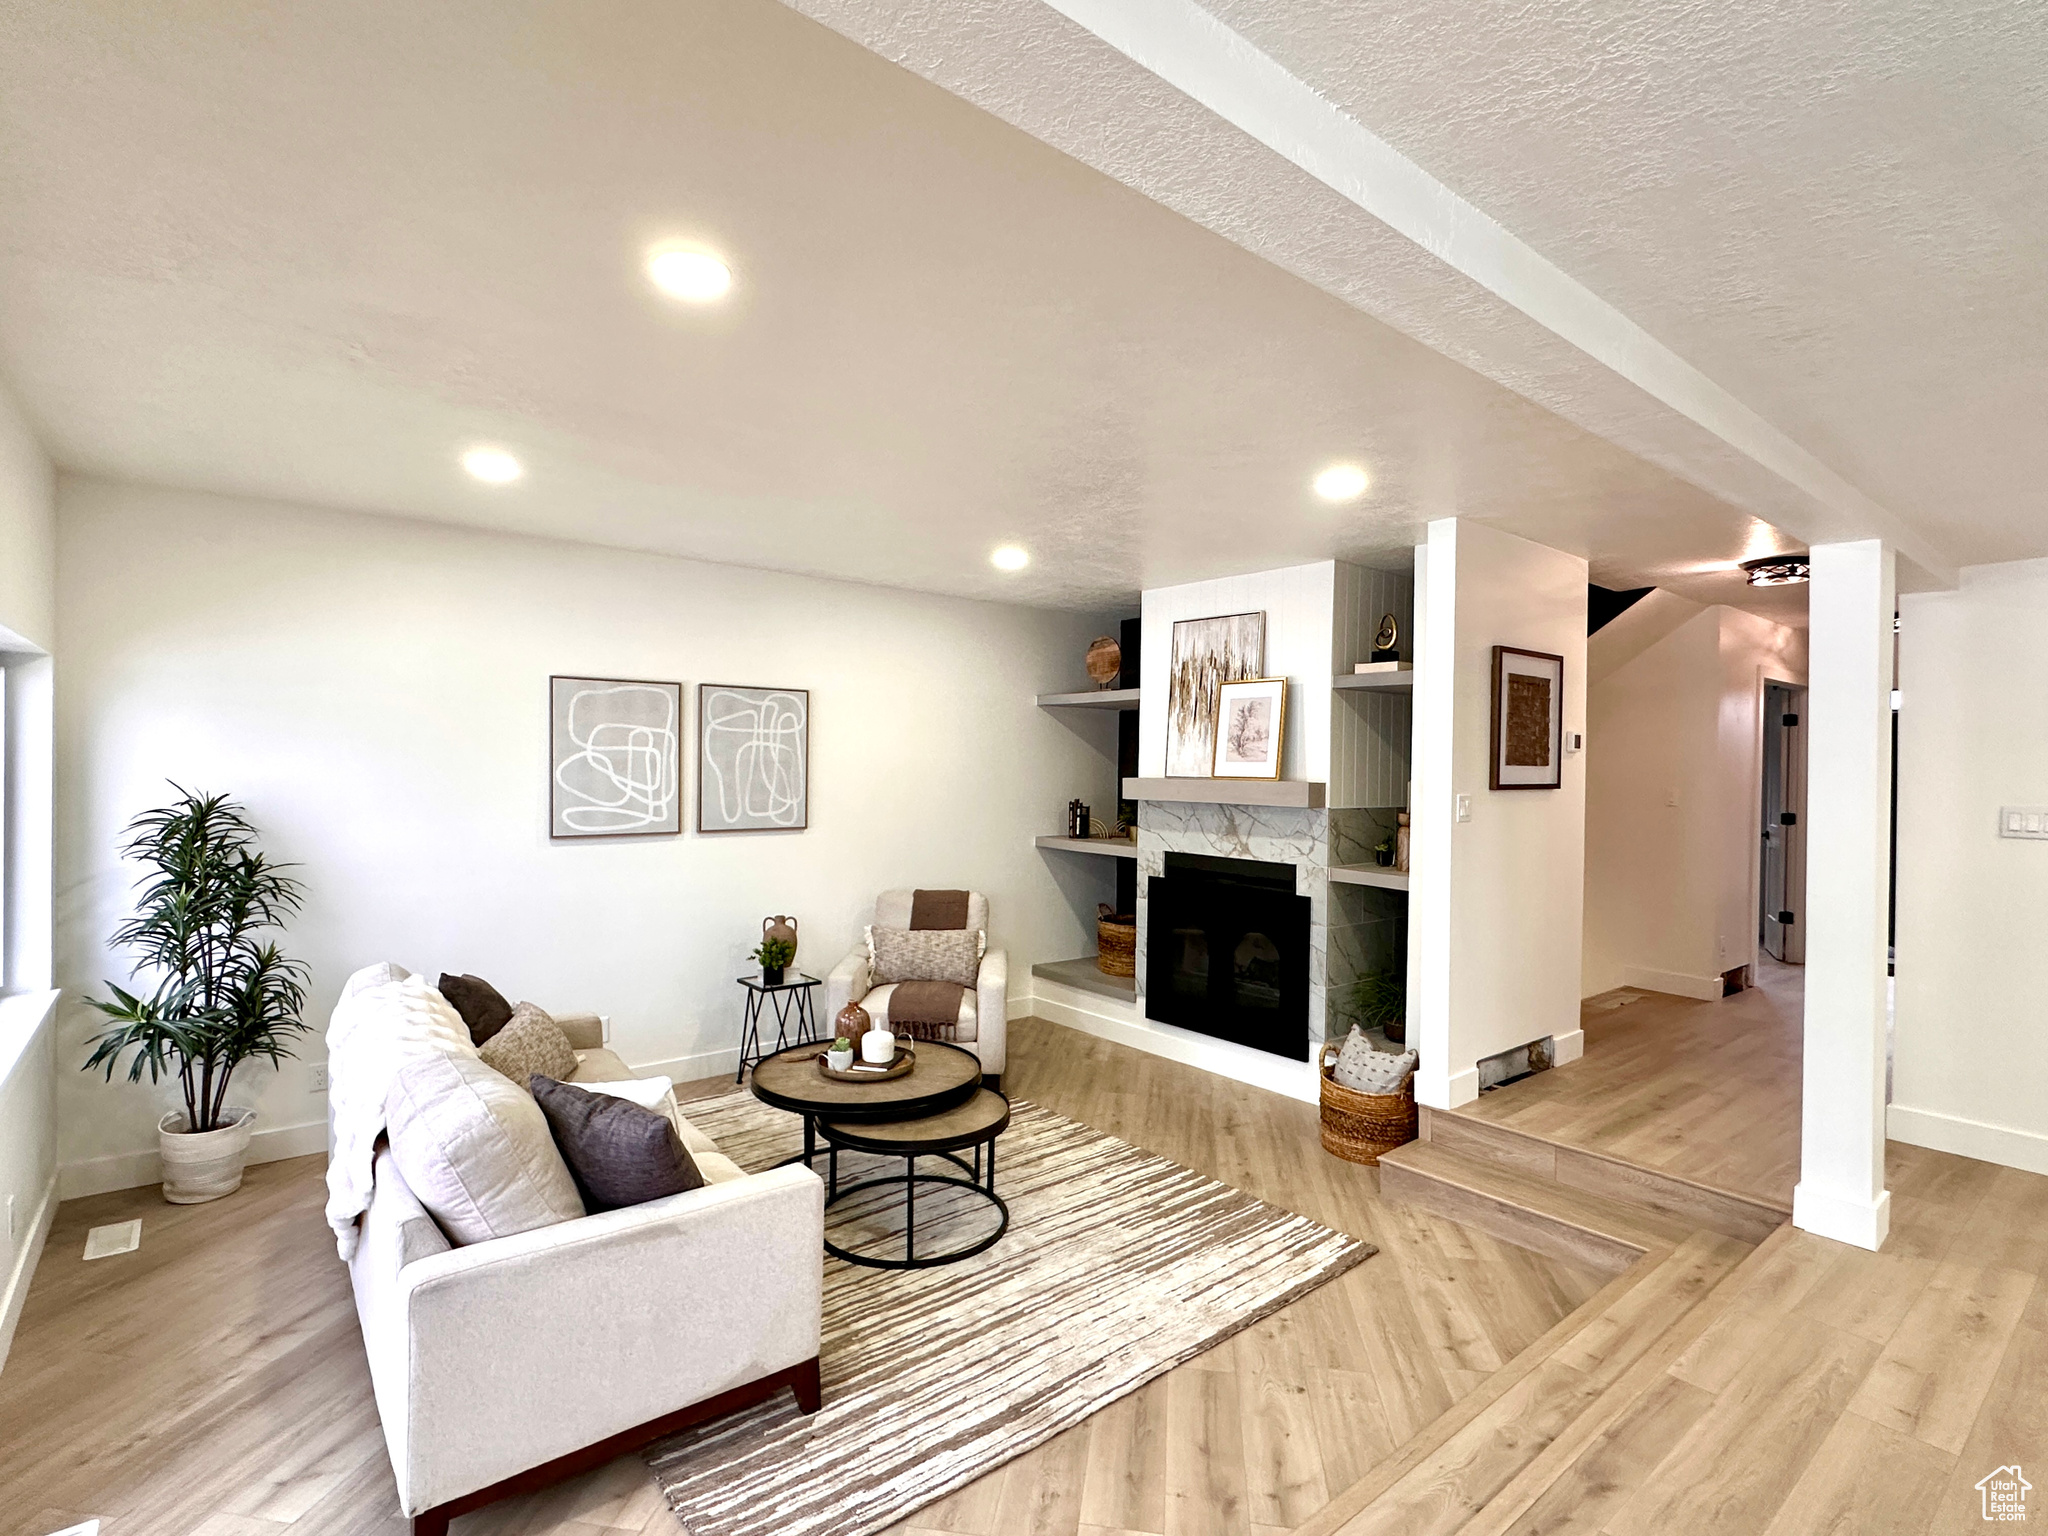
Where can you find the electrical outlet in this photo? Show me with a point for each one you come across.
(1464, 808)
(2022, 821)
(319, 1078)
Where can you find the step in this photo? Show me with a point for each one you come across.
(1526, 1209)
(1685, 1200)
(1527, 1424)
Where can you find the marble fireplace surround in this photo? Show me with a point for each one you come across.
(1311, 841)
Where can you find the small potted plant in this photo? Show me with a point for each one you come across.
(1382, 1003)
(840, 1057)
(222, 995)
(1383, 851)
(774, 955)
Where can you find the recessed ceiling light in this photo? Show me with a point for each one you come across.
(1341, 482)
(686, 273)
(1010, 557)
(1777, 570)
(494, 466)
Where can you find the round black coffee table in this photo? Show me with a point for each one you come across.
(945, 1076)
(974, 1124)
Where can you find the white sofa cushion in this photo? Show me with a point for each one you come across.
(475, 1150)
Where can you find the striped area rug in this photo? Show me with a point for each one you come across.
(1117, 1266)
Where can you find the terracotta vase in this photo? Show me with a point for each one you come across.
(852, 1023)
(783, 928)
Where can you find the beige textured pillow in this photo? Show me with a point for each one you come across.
(924, 954)
(475, 1150)
(530, 1042)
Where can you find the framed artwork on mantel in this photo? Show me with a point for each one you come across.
(1207, 653)
(1528, 719)
(1251, 725)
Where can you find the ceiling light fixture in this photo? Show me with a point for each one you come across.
(493, 466)
(1341, 482)
(1777, 571)
(1010, 557)
(685, 272)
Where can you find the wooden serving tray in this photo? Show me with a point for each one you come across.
(906, 1058)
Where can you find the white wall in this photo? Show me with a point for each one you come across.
(1970, 1074)
(1673, 795)
(1496, 903)
(27, 1059)
(376, 692)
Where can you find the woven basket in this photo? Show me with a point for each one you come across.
(1116, 940)
(1358, 1127)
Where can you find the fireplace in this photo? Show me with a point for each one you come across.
(1227, 952)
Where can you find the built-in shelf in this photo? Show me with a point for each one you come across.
(1298, 793)
(1095, 698)
(1113, 847)
(1388, 682)
(1085, 975)
(1370, 874)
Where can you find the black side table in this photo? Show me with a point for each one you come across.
(792, 1004)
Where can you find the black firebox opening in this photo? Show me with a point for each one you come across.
(1226, 952)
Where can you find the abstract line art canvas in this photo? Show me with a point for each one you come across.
(1207, 653)
(753, 758)
(614, 758)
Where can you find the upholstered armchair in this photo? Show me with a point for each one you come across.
(981, 1026)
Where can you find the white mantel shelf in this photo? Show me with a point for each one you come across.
(1299, 794)
(1370, 874)
(1389, 682)
(1095, 698)
(1114, 847)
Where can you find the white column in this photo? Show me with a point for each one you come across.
(1430, 811)
(1841, 1191)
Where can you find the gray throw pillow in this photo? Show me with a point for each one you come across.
(531, 1043)
(618, 1153)
(482, 1006)
(925, 954)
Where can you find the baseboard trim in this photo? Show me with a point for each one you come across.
(1845, 1218)
(1093, 1014)
(1705, 989)
(134, 1170)
(692, 1069)
(1569, 1046)
(16, 1294)
(1446, 1092)
(1989, 1143)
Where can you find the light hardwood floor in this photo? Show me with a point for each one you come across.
(1705, 1091)
(213, 1384)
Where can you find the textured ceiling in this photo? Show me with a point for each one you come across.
(1828, 215)
(313, 252)
(1838, 211)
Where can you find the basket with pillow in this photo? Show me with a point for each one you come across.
(1368, 1099)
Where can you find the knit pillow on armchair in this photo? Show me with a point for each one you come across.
(925, 954)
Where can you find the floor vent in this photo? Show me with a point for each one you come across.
(105, 1242)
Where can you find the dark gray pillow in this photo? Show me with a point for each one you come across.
(619, 1153)
(482, 1006)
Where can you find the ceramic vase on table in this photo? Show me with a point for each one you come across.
(878, 1047)
(783, 928)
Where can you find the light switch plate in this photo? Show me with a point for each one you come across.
(2023, 821)
(1464, 809)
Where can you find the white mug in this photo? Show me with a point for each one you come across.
(878, 1047)
(839, 1061)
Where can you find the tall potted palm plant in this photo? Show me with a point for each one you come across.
(221, 995)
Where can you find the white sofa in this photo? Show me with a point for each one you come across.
(983, 1027)
(505, 1365)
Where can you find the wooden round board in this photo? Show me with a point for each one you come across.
(906, 1058)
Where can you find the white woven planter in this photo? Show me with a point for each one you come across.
(206, 1166)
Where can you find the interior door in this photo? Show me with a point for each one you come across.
(1782, 890)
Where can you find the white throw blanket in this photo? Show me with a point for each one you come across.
(386, 1017)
